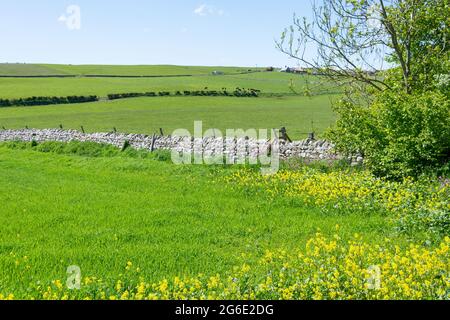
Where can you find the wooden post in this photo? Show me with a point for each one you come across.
(152, 148)
(283, 135)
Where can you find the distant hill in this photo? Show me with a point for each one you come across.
(35, 70)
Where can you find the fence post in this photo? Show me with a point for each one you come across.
(283, 135)
(152, 148)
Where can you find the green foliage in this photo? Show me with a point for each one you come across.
(162, 155)
(422, 31)
(87, 149)
(207, 93)
(433, 223)
(99, 150)
(399, 135)
(41, 101)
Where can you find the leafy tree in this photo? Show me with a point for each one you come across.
(354, 41)
(392, 59)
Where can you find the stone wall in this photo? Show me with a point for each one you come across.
(233, 148)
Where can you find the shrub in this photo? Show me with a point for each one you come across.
(40, 101)
(5, 103)
(399, 135)
(435, 223)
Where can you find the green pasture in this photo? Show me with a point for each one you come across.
(21, 69)
(267, 82)
(101, 212)
(299, 115)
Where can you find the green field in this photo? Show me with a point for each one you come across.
(132, 219)
(99, 213)
(267, 82)
(278, 105)
(17, 69)
(147, 115)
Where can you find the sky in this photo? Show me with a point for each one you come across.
(181, 32)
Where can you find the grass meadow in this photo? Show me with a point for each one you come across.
(18, 69)
(140, 227)
(277, 106)
(268, 82)
(101, 212)
(147, 115)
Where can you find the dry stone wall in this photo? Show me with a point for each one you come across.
(233, 148)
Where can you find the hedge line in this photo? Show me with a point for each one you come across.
(211, 93)
(115, 96)
(40, 101)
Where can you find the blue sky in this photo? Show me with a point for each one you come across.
(184, 32)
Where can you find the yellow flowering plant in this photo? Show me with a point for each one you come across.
(416, 204)
(327, 268)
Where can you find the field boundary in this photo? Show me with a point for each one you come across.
(235, 148)
(48, 100)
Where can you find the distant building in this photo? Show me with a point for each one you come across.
(217, 73)
(287, 69)
(297, 70)
(300, 70)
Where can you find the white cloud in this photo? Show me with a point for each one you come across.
(201, 11)
(208, 10)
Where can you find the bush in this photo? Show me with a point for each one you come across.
(41, 101)
(399, 135)
(433, 222)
